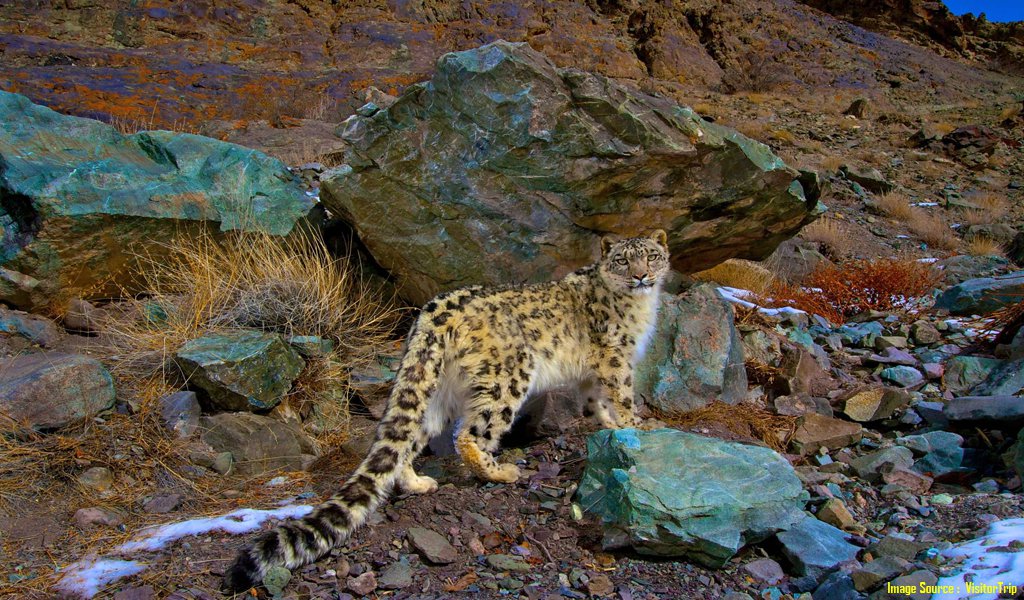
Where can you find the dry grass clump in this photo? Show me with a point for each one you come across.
(745, 419)
(989, 208)
(840, 291)
(835, 238)
(932, 229)
(290, 285)
(982, 245)
(757, 70)
(739, 273)
(832, 163)
(895, 205)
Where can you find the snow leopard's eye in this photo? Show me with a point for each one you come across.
(653, 256)
(621, 262)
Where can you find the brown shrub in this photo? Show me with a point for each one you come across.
(840, 291)
(756, 70)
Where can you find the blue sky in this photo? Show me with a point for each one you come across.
(995, 10)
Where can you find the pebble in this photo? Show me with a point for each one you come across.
(85, 517)
(362, 584)
(97, 478)
(396, 576)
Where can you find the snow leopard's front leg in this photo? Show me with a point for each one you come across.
(614, 376)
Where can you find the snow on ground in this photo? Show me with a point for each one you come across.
(738, 296)
(88, 576)
(991, 563)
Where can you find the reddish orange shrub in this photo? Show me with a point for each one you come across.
(840, 291)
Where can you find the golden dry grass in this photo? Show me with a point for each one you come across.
(739, 273)
(895, 205)
(745, 419)
(1009, 113)
(832, 163)
(980, 245)
(289, 285)
(989, 208)
(932, 229)
(833, 235)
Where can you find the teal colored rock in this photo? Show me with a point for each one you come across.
(48, 390)
(695, 355)
(1007, 379)
(34, 328)
(80, 198)
(941, 452)
(853, 334)
(814, 547)
(669, 493)
(242, 369)
(963, 373)
(504, 168)
(901, 375)
(983, 295)
(311, 345)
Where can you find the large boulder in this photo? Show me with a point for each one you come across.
(695, 355)
(79, 198)
(669, 493)
(983, 295)
(52, 389)
(241, 369)
(505, 168)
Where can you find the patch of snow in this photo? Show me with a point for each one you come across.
(928, 260)
(88, 576)
(902, 237)
(240, 521)
(924, 203)
(737, 296)
(990, 564)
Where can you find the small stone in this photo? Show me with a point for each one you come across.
(815, 547)
(902, 376)
(765, 570)
(835, 513)
(874, 403)
(873, 573)
(504, 562)
(891, 341)
(362, 584)
(97, 478)
(276, 579)
(933, 371)
(814, 431)
(86, 517)
(163, 503)
(433, 546)
(897, 545)
(600, 585)
(396, 576)
(869, 467)
(924, 333)
(908, 479)
(941, 500)
(180, 412)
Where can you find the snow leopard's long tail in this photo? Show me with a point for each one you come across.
(398, 441)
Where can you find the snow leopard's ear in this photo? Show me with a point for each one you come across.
(606, 244)
(659, 236)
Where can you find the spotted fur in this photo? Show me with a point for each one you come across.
(477, 354)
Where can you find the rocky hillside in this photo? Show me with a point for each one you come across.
(185, 65)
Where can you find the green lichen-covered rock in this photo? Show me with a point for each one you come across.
(669, 493)
(982, 295)
(243, 369)
(695, 354)
(503, 168)
(962, 373)
(80, 199)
